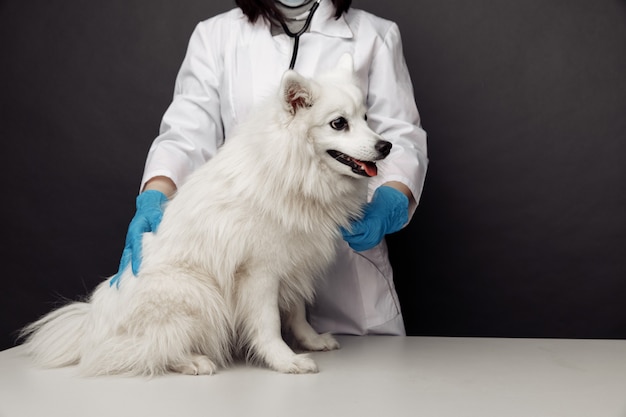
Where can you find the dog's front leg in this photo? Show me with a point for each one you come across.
(259, 319)
(304, 334)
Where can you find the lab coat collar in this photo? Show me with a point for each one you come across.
(324, 22)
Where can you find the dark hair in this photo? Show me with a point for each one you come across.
(253, 9)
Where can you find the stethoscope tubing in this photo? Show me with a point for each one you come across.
(296, 36)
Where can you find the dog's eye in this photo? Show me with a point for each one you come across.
(365, 117)
(340, 123)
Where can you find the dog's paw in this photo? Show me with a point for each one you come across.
(297, 364)
(196, 365)
(321, 342)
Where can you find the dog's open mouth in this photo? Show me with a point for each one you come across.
(365, 168)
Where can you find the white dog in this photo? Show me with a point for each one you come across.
(240, 246)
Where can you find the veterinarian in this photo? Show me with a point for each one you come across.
(236, 59)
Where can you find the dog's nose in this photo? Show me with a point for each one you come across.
(383, 147)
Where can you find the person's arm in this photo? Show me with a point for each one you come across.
(392, 113)
(190, 133)
(191, 129)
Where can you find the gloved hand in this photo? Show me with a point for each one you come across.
(386, 213)
(147, 218)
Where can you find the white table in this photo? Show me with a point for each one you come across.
(369, 376)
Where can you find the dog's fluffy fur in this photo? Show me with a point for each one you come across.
(240, 247)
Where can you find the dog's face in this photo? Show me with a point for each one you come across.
(332, 110)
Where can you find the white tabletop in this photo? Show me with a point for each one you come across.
(369, 376)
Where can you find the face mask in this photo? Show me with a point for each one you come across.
(293, 3)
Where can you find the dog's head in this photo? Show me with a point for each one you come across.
(331, 108)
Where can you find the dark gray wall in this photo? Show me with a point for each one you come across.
(522, 226)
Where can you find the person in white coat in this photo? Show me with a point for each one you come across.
(237, 58)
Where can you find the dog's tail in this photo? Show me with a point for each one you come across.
(55, 339)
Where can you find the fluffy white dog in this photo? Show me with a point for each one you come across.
(240, 246)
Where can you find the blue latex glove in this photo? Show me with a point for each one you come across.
(386, 213)
(147, 218)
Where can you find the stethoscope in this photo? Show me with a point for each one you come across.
(296, 36)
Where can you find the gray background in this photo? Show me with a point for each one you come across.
(521, 230)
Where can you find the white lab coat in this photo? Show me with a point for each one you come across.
(231, 65)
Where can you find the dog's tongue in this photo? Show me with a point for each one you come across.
(369, 167)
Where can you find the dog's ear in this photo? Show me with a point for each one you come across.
(297, 91)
